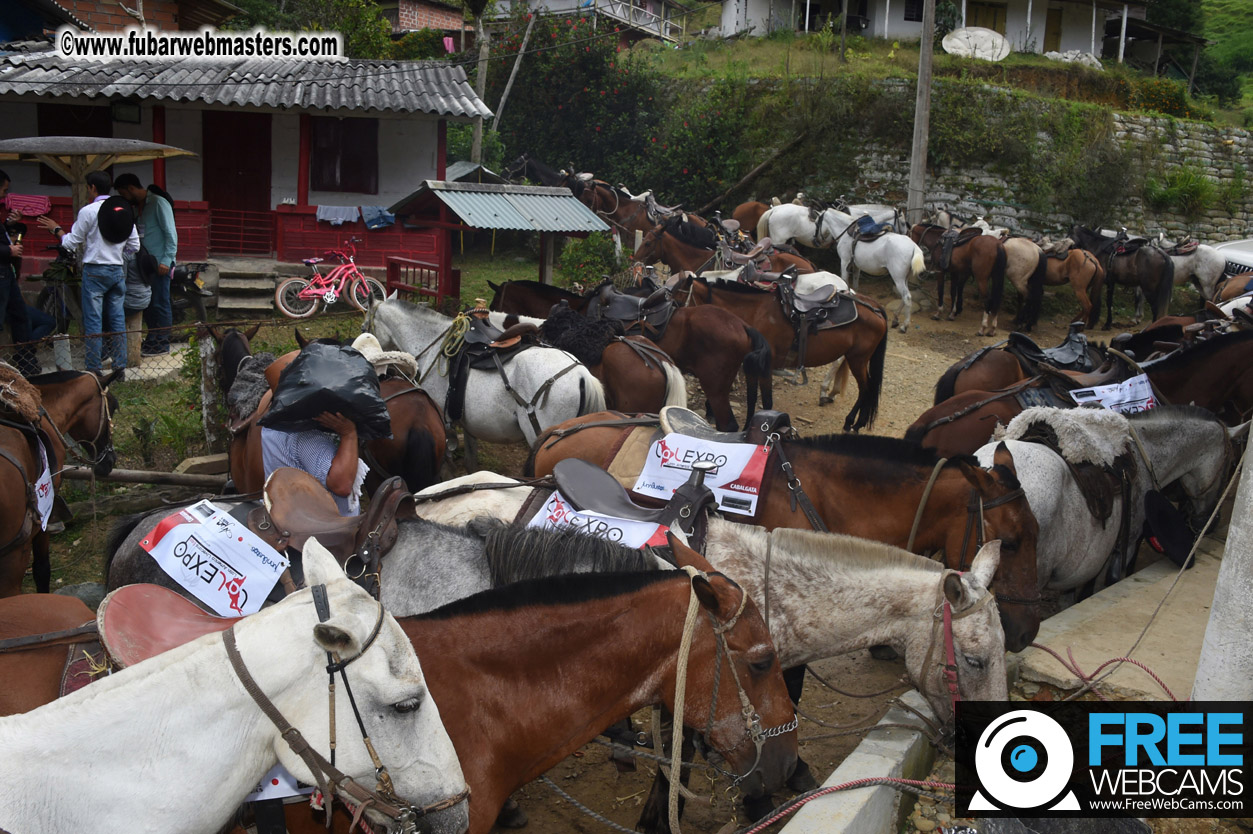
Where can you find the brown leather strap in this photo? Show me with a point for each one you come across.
(28, 521)
(52, 638)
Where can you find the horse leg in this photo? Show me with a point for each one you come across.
(856, 420)
(957, 289)
(1140, 306)
(41, 563)
(802, 778)
(834, 384)
(472, 454)
(1109, 302)
(939, 296)
(654, 815)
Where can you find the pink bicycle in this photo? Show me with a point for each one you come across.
(297, 297)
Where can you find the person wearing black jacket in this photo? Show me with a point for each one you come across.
(12, 305)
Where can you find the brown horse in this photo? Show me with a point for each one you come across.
(33, 676)
(981, 257)
(231, 347)
(1234, 286)
(862, 343)
(1079, 268)
(685, 247)
(871, 487)
(708, 343)
(1147, 268)
(747, 214)
(77, 407)
(526, 674)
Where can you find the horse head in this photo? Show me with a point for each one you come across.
(973, 630)
(649, 251)
(760, 750)
(997, 498)
(388, 692)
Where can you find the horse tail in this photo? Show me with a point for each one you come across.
(867, 407)
(763, 224)
(996, 290)
(1165, 288)
(757, 368)
(918, 264)
(1030, 312)
(676, 385)
(419, 466)
(591, 394)
(118, 533)
(947, 383)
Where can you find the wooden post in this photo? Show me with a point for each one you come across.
(843, 28)
(441, 151)
(513, 73)
(1026, 40)
(209, 392)
(914, 204)
(963, 14)
(548, 248)
(78, 183)
(1196, 54)
(1158, 60)
(158, 136)
(1122, 35)
(302, 159)
(1094, 52)
(887, 13)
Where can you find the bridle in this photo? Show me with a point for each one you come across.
(330, 780)
(942, 617)
(105, 422)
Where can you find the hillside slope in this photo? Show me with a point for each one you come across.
(1229, 23)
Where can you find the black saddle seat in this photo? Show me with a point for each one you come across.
(588, 487)
(1072, 354)
(805, 302)
(634, 312)
(680, 420)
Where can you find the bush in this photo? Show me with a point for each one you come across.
(1185, 189)
(586, 261)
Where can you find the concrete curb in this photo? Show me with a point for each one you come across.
(889, 751)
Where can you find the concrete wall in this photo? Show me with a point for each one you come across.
(738, 15)
(407, 149)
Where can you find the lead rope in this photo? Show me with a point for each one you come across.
(922, 504)
(680, 696)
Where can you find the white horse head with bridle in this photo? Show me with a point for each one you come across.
(177, 741)
(825, 594)
(545, 386)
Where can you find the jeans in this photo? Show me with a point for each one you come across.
(159, 315)
(13, 308)
(104, 288)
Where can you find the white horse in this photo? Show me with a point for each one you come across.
(889, 254)
(175, 743)
(1184, 444)
(826, 594)
(1204, 266)
(551, 384)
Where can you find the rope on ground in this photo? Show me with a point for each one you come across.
(1090, 682)
(915, 786)
(568, 798)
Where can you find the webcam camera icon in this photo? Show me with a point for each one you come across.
(1028, 735)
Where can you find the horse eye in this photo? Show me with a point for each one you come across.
(761, 667)
(409, 704)
(972, 662)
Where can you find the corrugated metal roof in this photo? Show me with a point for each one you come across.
(516, 207)
(380, 86)
(470, 172)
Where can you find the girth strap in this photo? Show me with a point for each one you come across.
(52, 638)
(540, 393)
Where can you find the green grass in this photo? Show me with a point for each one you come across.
(1229, 23)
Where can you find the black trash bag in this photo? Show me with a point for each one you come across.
(329, 378)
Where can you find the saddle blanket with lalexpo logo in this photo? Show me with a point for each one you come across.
(735, 479)
(1130, 397)
(557, 513)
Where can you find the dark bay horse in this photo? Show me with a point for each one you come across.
(981, 257)
(1148, 268)
(706, 342)
(77, 408)
(862, 343)
(686, 247)
(233, 347)
(871, 487)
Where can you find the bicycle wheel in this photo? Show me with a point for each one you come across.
(287, 299)
(364, 290)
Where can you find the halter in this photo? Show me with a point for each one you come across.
(105, 421)
(942, 617)
(330, 780)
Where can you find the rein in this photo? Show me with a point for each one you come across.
(943, 617)
(330, 780)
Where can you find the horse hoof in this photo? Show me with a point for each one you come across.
(511, 815)
(952, 316)
(883, 653)
(756, 807)
(802, 779)
(904, 328)
(935, 317)
(824, 400)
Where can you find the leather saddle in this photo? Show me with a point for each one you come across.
(634, 313)
(953, 238)
(588, 487)
(1184, 247)
(298, 508)
(137, 622)
(679, 420)
(820, 309)
(1073, 354)
(1123, 245)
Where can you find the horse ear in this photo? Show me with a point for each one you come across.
(333, 636)
(685, 556)
(979, 478)
(395, 294)
(320, 566)
(300, 339)
(954, 590)
(1237, 432)
(1004, 457)
(212, 331)
(706, 593)
(983, 568)
(493, 287)
(251, 332)
(109, 380)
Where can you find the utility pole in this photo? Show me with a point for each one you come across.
(915, 202)
(843, 28)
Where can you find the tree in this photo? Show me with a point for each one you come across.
(367, 34)
(1184, 15)
(477, 8)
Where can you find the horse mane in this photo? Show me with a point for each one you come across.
(579, 335)
(685, 231)
(1173, 412)
(879, 448)
(565, 589)
(517, 555)
(551, 289)
(54, 377)
(851, 553)
(1198, 351)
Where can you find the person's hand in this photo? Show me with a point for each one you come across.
(162, 269)
(15, 250)
(47, 222)
(14, 216)
(336, 422)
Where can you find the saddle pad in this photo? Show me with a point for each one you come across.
(843, 311)
(626, 463)
(557, 513)
(735, 480)
(84, 662)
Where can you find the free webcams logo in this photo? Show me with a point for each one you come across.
(1024, 761)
